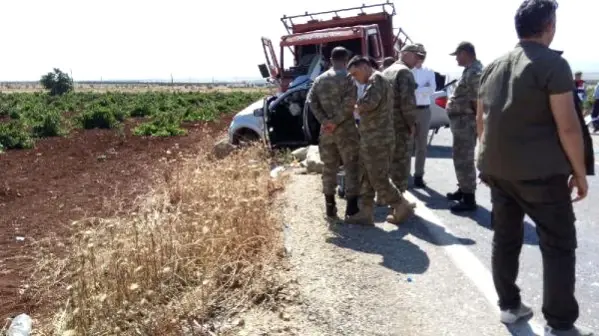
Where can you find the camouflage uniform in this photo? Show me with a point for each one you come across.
(462, 117)
(332, 99)
(377, 140)
(404, 120)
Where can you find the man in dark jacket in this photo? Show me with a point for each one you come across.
(532, 155)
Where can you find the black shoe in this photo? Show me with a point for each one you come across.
(330, 206)
(455, 196)
(419, 182)
(352, 206)
(467, 203)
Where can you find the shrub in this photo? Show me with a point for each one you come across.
(162, 124)
(15, 135)
(99, 117)
(57, 82)
(50, 125)
(143, 110)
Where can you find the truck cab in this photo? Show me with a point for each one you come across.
(368, 30)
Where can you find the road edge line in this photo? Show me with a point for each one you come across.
(465, 260)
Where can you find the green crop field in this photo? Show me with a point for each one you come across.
(25, 117)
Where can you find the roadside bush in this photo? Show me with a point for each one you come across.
(49, 115)
(162, 124)
(143, 110)
(99, 117)
(50, 125)
(15, 135)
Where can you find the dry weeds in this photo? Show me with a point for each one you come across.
(198, 246)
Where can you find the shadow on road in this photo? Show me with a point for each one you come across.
(399, 254)
(481, 216)
(521, 328)
(439, 152)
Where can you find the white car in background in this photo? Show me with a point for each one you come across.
(286, 121)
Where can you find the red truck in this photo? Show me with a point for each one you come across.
(284, 119)
(366, 30)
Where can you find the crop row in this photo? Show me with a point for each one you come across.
(25, 117)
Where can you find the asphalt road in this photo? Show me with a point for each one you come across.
(440, 178)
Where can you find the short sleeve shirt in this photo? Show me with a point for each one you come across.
(520, 139)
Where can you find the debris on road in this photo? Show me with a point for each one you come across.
(276, 171)
(300, 154)
(20, 326)
(313, 162)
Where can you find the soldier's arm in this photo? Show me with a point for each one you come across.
(480, 126)
(348, 101)
(373, 95)
(315, 106)
(473, 82)
(407, 91)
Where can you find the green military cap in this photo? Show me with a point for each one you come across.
(415, 48)
(464, 46)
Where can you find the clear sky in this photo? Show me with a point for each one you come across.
(199, 39)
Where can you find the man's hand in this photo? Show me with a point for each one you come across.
(328, 127)
(581, 185)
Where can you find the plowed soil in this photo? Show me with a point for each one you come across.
(92, 173)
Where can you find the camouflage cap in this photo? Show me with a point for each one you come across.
(464, 46)
(415, 48)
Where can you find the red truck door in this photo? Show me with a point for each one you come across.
(271, 58)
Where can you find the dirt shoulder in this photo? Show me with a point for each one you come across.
(386, 280)
(93, 173)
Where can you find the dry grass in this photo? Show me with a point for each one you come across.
(196, 247)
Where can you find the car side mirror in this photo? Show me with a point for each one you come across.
(264, 70)
(258, 113)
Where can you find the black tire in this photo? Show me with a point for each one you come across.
(246, 137)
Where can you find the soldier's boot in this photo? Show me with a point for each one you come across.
(467, 203)
(455, 196)
(419, 182)
(331, 208)
(400, 212)
(352, 206)
(365, 215)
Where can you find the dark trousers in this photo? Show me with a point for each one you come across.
(547, 201)
(595, 114)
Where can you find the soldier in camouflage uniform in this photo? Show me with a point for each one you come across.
(461, 109)
(404, 111)
(332, 98)
(376, 143)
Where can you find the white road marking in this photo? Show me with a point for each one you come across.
(466, 261)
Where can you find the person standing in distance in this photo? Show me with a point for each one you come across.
(376, 144)
(461, 109)
(426, 85)
(531, 155)
(332, 98)
(404, 112)
(595, 110)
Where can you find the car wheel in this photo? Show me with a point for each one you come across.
(244, 138)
